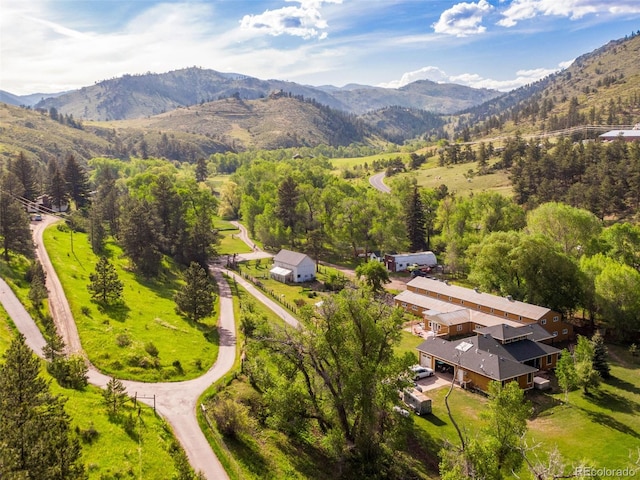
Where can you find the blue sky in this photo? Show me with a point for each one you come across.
(55, 45)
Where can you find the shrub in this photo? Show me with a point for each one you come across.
(151, 349)
(86, 311)
(231, 417)
(178, 366)
(123, 340)
(89, 435)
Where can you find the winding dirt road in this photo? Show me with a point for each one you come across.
(176, 401)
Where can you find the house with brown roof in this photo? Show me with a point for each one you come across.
(294, 267)
(500, 353)
(451, 310)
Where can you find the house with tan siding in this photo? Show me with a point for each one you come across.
(434, 300)
(513, 354)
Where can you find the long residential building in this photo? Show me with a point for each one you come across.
(451, 310)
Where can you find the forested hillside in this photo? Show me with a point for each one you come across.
(600, 87)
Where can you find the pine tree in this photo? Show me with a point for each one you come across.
(115, 396)
(201, 170)
(34, 428)
(23, 170)
(14, 227)
(600, 354)
(57, 188)
(195, 298)
(415, 221)
(105, 286)
(77, 182)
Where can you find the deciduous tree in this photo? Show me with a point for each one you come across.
(375, 275)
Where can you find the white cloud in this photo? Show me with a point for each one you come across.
(435, 74)
(304, 21)
(573, 9)
(463, 19)
(425, 73)
(42, 53)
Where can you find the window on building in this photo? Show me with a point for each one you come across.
(449, 298)
(414, 307)
(543, 321)
(404, 304)
(529, 377)
(492, 310)
(565, 331)
(506, 314)
(459, 328)
(555, 333)
(556, 318)
(520, 317)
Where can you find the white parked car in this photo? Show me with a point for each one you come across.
(421, 372)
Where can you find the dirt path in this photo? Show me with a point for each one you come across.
(177, 401)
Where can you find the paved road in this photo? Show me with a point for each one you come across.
(377, 182)
(257, 251)
(176, 401)
(261, 297)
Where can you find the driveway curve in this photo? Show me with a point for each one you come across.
(175, 401)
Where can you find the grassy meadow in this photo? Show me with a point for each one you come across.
(117, 338)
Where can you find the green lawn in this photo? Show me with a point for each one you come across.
(230, 243)
(339, 163)
(115, 337)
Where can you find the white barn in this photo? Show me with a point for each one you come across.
(400, 262)
(293, 267)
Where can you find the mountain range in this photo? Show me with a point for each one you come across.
(191, 113)
(137, 96)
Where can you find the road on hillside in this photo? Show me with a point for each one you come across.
(377, 182)
(176, 401)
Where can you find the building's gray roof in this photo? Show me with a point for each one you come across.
(481, 298)
(520, 351)
(289, 257)
(436, 308)
(505, 332)
(485, 363)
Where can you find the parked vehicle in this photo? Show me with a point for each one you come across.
(421, 372)
(401, 411)
(37, 217)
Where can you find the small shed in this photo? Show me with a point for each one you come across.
(289, 266)
(417, 401)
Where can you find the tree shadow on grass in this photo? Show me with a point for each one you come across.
(610, 422)
(249, 454)
(117, 311)
(307, 459)
(623, 385)
(613, 401)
